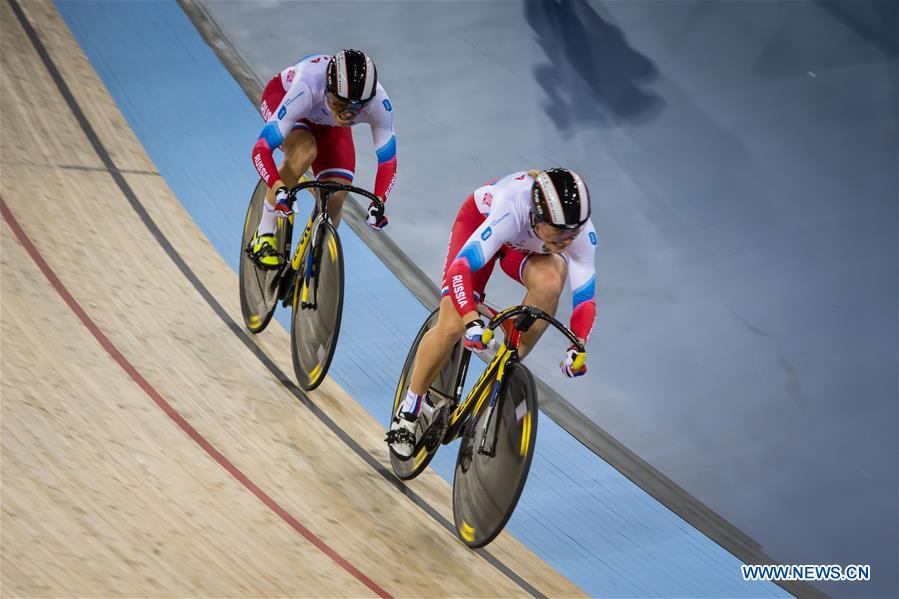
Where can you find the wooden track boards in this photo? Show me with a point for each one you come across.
(103, 493)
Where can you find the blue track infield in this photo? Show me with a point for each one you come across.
(576, 512)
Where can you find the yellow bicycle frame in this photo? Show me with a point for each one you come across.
(298, 293)
(481, 390)
(301, 289)
(497, 365)
(295, 264)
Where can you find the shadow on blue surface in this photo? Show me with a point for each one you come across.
(876, 21)
(589, 59)
(577, 513)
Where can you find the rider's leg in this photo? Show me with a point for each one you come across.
(299, 152)
(416, 412)
(544, 276)
(437, 343)
(336, 161)
(435, 347)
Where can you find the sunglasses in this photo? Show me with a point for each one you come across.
(341, 106)
(550, 234)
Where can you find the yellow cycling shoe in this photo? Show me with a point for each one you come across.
(263, 252)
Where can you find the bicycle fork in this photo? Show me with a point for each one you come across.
(498, 387)
(511, 347)
(310, 273)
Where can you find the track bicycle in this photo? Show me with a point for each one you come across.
(310, 282)
(497, 421)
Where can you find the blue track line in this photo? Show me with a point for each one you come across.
(577, 513)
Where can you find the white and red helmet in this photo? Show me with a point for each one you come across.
(560, 199)
(352, 77)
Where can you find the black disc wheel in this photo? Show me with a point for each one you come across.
(314, 328)
(258, 285)
(486, 488)
(443, 390)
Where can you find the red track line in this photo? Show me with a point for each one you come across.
(171, 412)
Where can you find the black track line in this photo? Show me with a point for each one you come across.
(238, 331)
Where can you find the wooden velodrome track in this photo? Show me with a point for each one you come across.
(149, 445)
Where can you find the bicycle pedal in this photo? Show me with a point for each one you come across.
(433, 435)
(393, 436)
(256, 259)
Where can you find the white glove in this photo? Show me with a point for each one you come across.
(575, 363)
(282, 202)
(376, 219)
(477, 336)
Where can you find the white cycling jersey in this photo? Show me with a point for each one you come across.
(305, 99)
(506, 206)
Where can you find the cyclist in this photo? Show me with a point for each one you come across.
(537, 225)
(308, 110)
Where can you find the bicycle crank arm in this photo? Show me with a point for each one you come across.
(498, 388)
(287, 281)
